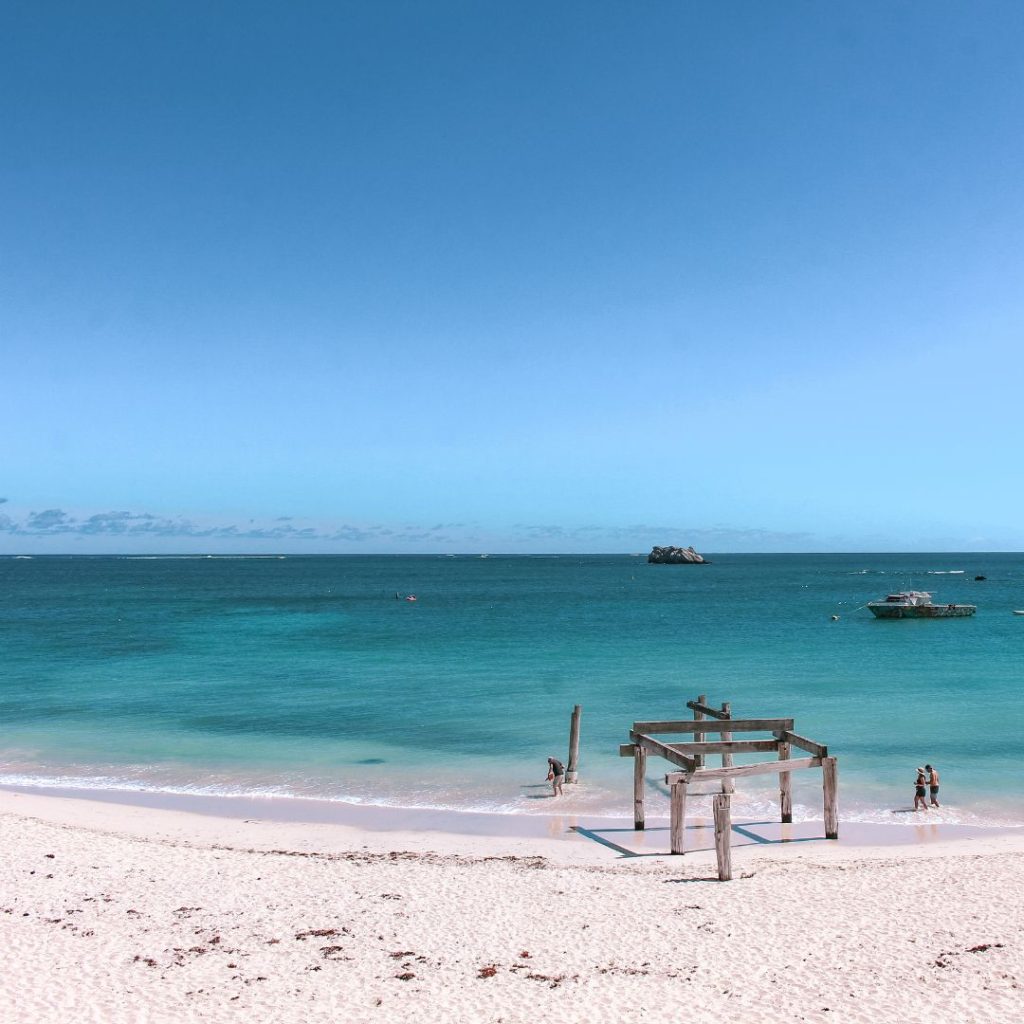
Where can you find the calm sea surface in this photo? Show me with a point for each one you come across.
(305, 676)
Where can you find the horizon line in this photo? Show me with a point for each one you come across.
(473, 554)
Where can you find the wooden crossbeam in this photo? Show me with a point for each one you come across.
(726, 746)
(817, 749)
(653, 746)
(712, 747)
(766, 768)
(730, 725)
(705, 709)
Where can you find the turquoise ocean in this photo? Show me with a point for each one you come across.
(312, 677)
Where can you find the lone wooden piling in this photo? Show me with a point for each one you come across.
(723, 832)
(571, 772)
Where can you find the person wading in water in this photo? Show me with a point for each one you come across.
(556, 775)
(919, 801)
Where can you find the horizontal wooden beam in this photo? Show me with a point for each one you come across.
(766, 768)
(731, 725)
(725, 746)
(695, 705)
(817, 749)
(653, 746)
(711, 747)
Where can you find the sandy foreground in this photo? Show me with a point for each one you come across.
(111, 913)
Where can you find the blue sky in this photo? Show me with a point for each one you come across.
(511, 277)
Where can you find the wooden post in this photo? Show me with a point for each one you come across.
(830, 786)
(723, 833)
(785, 786)
(571, 773)
(698, 737)
(727, 784)
(677, 806)
(639, 771)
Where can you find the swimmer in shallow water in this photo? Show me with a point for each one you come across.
(919, 784)
(556, 775)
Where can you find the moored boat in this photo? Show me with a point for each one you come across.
(917, 604)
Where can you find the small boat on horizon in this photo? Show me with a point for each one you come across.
(917, 604)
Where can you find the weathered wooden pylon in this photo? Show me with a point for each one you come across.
(572, 771)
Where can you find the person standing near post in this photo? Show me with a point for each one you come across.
(919, 783)
(556, 775)
(933, 784)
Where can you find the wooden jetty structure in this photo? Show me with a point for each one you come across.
(690, 758)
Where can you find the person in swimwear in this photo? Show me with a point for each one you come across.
(933, 784)
(919, 783)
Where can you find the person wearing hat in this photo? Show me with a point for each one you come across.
(933, 784)
(919, 783)
(556, 775)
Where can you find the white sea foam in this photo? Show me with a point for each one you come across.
(582, 801)
(121, 785)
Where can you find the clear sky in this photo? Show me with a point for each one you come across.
(511, 276)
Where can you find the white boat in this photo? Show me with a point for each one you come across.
(917, 604)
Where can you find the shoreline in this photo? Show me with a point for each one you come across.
(560, 833)
(520, 800)
(436, 800)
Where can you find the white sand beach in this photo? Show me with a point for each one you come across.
(116, 913)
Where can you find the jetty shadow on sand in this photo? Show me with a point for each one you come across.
(601, 837)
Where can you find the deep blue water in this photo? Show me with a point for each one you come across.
(305, 675)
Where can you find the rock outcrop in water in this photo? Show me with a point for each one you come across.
(676, 556)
